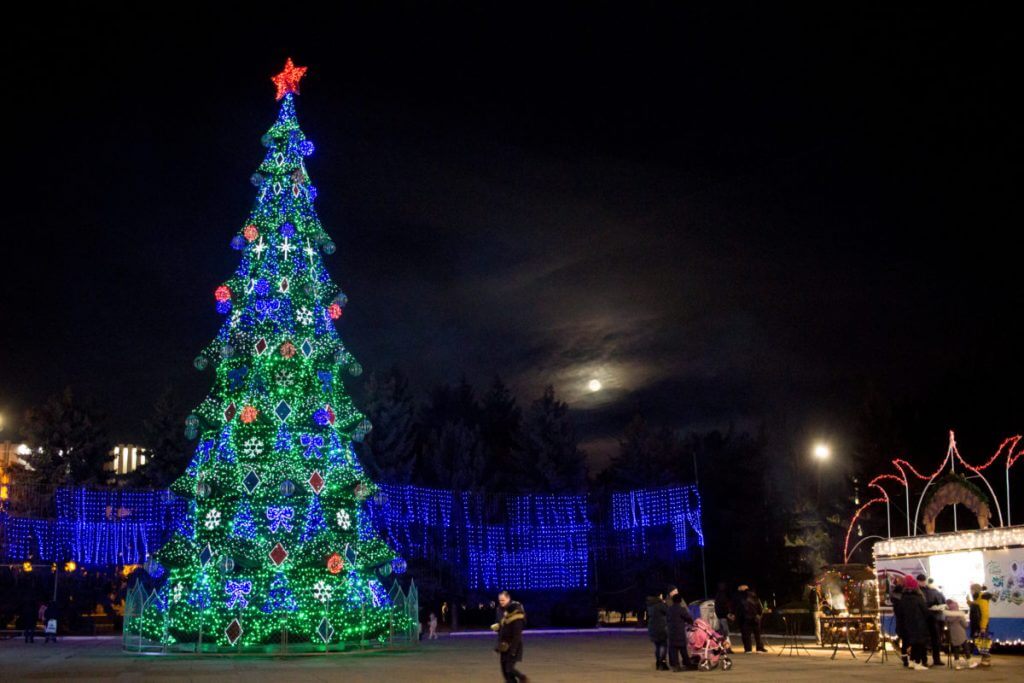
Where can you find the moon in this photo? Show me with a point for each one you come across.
(594, 385)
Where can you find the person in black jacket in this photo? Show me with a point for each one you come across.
(933, 598)
(27, 620)
(510, 638)
(678, 619)
(752, 610)
(657, 629)
(912, 622)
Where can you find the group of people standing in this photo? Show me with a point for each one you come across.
(667, 619)
(921, 611)
(31, 613)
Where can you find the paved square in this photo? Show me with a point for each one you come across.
(588, 657)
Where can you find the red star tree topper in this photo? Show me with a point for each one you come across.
(288, 80)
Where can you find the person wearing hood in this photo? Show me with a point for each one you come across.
(657, 629)
(956, 622)
(723, 610)
(980, 603)
(912, 623)
(510, 638)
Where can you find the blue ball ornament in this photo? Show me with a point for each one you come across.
(311, 189)
(262, 287)
(227, 351)
(200, 362)
(322, 417)
(256, 179)
(227, 564)
(355, 369)
(399, 565)
(223, 307)
(306, 148)
(266, 140)
(287, 487)
(238, 243)
(287, 229)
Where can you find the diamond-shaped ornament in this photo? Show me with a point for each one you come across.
(283, 410)
(261, 346)
(306, 348)
(233, 631)
(205, 555)
(316, 482)
(325, 630)
(350, 555)
(278, 555)
(230, 412)
(284, 285)
(251, 481)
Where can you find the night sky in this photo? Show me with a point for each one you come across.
(726, 215)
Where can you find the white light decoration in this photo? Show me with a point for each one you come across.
(979, 539)
(344, 519)
(177, 592)
(252, 447)
(212, 520)
(322, 591)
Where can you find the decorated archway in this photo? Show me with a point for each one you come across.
(956, 490)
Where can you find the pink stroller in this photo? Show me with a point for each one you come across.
(708, 647)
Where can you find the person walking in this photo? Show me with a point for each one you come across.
(956, 622)
(657, 629)
(723, 611)
(432, 625)
(897, 595)
(935, 601)
(27, 620)
(912, 617)
(510, 638)
(752, 612)
(678, 618)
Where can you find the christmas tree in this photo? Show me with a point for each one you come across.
(276, 538)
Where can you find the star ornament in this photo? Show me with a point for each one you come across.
(288, 80)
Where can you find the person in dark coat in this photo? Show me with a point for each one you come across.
(678, 617)
(27, 620)
(657, 629)
(723, 610)
(912, 619)
(896, 596)
(933, 598)
(751, 625)
(510, 638)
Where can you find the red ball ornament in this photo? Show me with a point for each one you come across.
(250, 233)
(222, 293)
(249, 414)
(335, 564)
(287, 349)
(335, 311)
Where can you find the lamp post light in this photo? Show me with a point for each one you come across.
(822, 453)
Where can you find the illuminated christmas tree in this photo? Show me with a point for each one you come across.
(276, 538)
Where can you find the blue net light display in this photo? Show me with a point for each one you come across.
(513, 542)
(637, 513)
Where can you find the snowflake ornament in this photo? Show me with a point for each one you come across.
(344, 519)
(178, 592)
(212, 520)
(252, 447)
(284, 378)
(322, 591)
(304, 316)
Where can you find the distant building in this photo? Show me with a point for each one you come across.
(127, 458)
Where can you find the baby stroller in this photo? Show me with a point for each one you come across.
(707, 647)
